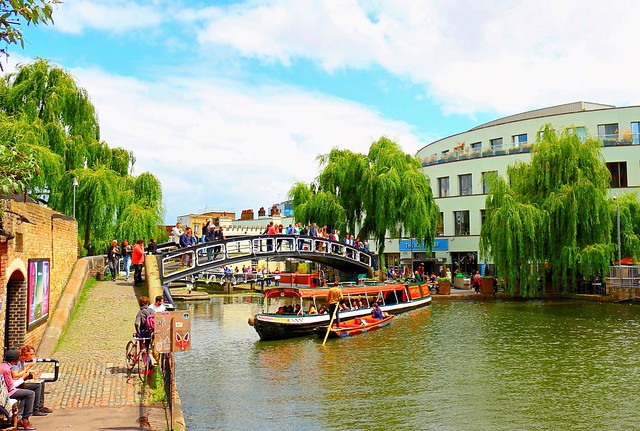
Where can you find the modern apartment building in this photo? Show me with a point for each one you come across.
(456, 166)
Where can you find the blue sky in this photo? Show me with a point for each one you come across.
(230, 102)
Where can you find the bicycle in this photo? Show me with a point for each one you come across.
(137, 356)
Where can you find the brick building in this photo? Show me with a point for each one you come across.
(38, 250)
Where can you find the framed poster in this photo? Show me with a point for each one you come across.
(38, 292)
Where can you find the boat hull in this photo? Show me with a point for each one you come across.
(353, 327)
(281, 326)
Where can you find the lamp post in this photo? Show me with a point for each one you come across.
(75, 186)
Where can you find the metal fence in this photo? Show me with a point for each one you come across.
(624, 276)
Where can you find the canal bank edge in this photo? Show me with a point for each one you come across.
(154, 288)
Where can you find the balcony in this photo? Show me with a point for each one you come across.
(475, 153)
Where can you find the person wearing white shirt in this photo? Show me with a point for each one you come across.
(158, 305)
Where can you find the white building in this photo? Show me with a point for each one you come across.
(456, 165)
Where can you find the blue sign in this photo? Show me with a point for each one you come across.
(441, 244)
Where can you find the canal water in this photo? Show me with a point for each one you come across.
(465, 365)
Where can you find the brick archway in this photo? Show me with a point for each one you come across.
(15, 318)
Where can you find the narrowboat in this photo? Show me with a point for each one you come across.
(274, 324)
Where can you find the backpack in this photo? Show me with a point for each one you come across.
(150, 322)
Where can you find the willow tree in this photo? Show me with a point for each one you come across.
(382, 193)
(552, 213)
(49, 117)
(628, 207)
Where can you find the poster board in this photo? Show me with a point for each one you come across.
(38, 289)
(172, 331)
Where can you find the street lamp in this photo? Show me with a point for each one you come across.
(75, 186)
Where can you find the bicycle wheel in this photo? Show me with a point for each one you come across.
(131, 354)
(143, 364)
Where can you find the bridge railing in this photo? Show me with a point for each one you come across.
(205, 256)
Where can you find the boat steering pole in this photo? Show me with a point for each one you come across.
(335, 310)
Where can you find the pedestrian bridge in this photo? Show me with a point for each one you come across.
(188, 263)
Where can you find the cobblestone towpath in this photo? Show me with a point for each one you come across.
(94, 390)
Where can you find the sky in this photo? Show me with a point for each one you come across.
(229, 103)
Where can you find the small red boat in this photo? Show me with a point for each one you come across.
(355, 326)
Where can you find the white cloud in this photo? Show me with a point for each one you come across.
(116, 16)
(472, 56)
(225, 145)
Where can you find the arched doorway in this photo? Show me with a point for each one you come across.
(15, 319)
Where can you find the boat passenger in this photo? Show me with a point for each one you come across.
(280, 310)
(298, 309)
(322, 310)
(376, 313)
(354, 304)
(289, 309)
(312, 309)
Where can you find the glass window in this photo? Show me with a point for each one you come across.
(485, 180)
(635, 129)
(443, 186)
(465, 184)
(461, 221)
(483, 215)
(618, 174)
(608, 133)
(496, 144)
(476, 146)
(444, 154)
(580, 131)
(440, 225)
(540, 134)
(520, 139)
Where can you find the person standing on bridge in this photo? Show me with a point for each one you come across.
(334, 296)
(176, 233)
(185, 241)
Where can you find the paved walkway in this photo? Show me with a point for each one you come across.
(94, 390)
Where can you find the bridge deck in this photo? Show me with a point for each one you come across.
(186, 263)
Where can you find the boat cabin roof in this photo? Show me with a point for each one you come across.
(321, 292)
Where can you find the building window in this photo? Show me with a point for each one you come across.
(440, 225)
(635, 130)
(461, 220)
(465, 184)
(618, 174)
(519, 139)
(485, 180)
(444, 155)
(580, 131)
(476, 146)
(608, 133)
(541, 134)
(483, 216)
(496, 144)
(443, 185)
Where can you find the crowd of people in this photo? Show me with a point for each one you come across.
(132, 256)
(212, 233)
(23, 383)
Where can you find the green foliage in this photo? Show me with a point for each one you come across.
(31, 11)
(381, 192)
(551, 212)
(49, 135)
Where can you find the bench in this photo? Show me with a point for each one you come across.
(8, 409)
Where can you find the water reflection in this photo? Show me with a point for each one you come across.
(453, 366)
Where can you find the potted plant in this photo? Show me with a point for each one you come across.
(444, 285)
(486, 284)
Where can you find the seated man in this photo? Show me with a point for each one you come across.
(25, 397)
(376, 313)
(23, 369)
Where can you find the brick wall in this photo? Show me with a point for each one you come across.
(53, 237)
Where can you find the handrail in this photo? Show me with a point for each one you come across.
(201, 257)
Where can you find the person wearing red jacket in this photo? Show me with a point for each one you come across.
(137, 259)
